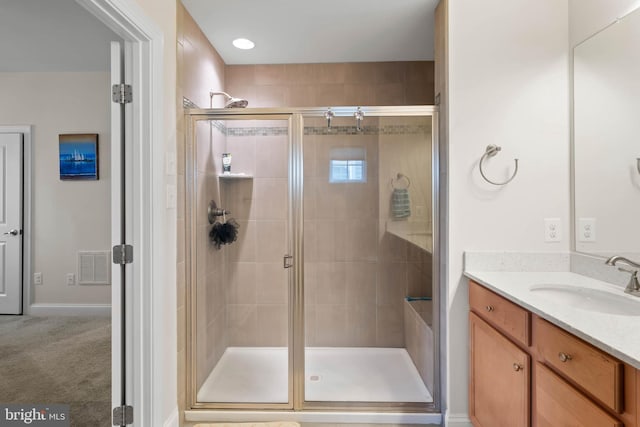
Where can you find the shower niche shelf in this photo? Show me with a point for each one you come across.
(231, 176)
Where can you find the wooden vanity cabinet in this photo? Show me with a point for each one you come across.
(499, 388)
(525, 371)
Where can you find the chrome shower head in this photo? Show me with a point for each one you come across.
(230, 102)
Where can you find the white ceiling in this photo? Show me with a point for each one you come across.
(305, 31)
(51, 35)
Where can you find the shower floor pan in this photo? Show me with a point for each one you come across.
(344, 374)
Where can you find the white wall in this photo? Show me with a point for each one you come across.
(163, 14)
(508, 77)
(68, 216)
(588, 16)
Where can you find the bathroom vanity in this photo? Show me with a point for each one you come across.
(537, 359)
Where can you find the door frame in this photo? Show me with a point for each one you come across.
(27, 283)
(151, 358)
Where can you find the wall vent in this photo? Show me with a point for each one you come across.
(94, 268)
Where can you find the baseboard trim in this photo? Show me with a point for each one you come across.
(457, 420)
(174, 419)
(70, 310)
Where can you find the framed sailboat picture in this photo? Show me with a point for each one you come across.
(79, 157)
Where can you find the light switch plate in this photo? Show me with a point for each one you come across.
(171, 168)
(172, 196)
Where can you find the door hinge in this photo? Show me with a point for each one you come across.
(122, 415)
(121, 93)
(122, 254)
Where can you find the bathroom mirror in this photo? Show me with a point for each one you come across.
(607, 140)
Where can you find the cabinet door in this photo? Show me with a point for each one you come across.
(560, 405)
(499, 393)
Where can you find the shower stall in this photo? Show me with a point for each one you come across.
(327, 301)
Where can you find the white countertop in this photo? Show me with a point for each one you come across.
(616, 334)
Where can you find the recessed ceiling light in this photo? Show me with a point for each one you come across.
(243, 44)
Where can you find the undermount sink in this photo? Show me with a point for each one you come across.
(589, 299)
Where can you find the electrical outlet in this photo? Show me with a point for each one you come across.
(37, 278)
(71, 279)
(552, 232)
(586, 229)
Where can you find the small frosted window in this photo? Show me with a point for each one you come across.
(348, 165)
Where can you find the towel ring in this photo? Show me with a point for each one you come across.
(491, 151)
(399, 177)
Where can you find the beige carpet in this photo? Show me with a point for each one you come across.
(64, 360)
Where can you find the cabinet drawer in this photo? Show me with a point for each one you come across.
(595, 371)
(559, 404)
(510, 318)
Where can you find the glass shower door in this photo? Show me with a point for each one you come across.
(364, 254)
(241, 289)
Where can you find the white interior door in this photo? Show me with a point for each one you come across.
(11, 223)
(121, 212)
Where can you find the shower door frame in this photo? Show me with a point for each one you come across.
(296, 343)
(193, 116)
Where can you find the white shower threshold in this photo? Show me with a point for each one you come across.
(344, 374)
(324, 417)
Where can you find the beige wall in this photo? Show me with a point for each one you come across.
(316, 85)
(68, 216)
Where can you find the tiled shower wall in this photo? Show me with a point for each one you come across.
(210, 287)
(341, 248)
(408, 152)
(200, 69)
(356, 274)
(316, 85)
(257, 299)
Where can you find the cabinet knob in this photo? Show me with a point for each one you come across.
(564, 357)
(517, 367)
(489, 308)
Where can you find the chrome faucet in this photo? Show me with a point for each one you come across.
(633, 287)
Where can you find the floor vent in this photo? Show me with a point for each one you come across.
(94, 268)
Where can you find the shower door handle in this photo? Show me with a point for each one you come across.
(287, 261)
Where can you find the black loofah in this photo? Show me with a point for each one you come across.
(224, 233)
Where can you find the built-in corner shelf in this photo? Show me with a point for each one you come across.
(231, 176)
(414, 232)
